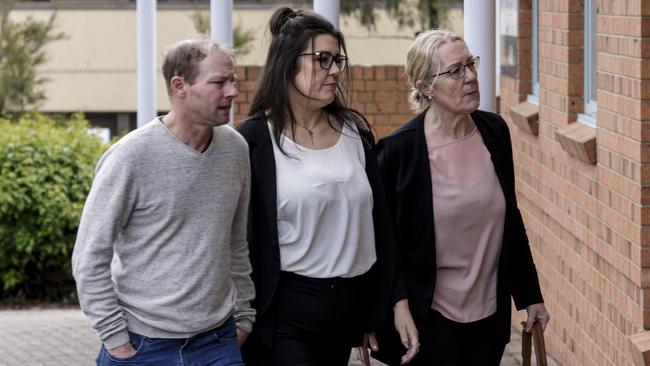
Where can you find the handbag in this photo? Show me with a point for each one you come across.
(537, 336)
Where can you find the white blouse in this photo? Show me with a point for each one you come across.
(324, 199)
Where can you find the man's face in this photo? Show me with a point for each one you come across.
(210, 97)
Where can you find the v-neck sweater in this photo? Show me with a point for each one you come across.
(161, 248)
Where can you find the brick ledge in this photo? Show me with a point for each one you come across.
(641, 348)
(579, 140)
(526, 116)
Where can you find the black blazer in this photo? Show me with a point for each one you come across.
(404, 167)
(263, 234)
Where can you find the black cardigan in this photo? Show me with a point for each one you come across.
(404, 168)
(263, 234)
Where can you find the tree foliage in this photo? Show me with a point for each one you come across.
(21, 53)
(423, 14)
(46, 169)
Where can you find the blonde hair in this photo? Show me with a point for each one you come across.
(421, 59)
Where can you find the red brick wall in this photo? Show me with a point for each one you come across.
(588, 224)
(378, 92)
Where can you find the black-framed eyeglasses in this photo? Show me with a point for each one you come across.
(458, 71)
(326, 59)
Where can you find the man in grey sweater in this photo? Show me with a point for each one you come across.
(161, 258)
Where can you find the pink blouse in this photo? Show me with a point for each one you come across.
(469, 212)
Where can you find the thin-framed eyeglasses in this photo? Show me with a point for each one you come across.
(458, 72)
(326, 59)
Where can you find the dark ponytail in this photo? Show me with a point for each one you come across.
(279, 18)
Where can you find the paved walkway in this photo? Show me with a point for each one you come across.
(62, 337)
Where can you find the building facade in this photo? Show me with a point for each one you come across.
(577, 102)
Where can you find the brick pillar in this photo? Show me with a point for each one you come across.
(561, 51)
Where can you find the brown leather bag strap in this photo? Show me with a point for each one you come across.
(537, 336)
(526, 344)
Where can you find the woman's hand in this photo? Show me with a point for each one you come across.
(408, 333)
(537, 312)
(369, 340)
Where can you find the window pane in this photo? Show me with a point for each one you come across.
(590, 61)
(593, 59)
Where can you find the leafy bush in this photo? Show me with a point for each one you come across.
(46, 168)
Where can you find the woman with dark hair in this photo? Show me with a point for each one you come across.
(320, 237)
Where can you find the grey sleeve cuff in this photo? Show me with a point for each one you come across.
(118, 339)
(244, 324)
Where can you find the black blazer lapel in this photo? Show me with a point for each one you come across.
(263, 165)
(426, 186)
(495, 144)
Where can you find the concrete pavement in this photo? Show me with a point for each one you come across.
(62, 337)
(48, 337)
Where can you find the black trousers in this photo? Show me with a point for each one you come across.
(316, 322)
(444, 342)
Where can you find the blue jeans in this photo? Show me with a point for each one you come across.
(217, 347)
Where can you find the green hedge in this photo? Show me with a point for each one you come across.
(46, 168)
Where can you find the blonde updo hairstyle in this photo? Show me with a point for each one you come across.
(423, 62)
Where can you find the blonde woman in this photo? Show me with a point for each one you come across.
(449, 180)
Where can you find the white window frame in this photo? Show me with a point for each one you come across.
(590, 65)
(534, 96)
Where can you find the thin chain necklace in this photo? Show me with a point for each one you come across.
(310, 131)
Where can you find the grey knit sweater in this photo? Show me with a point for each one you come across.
(161, 248)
